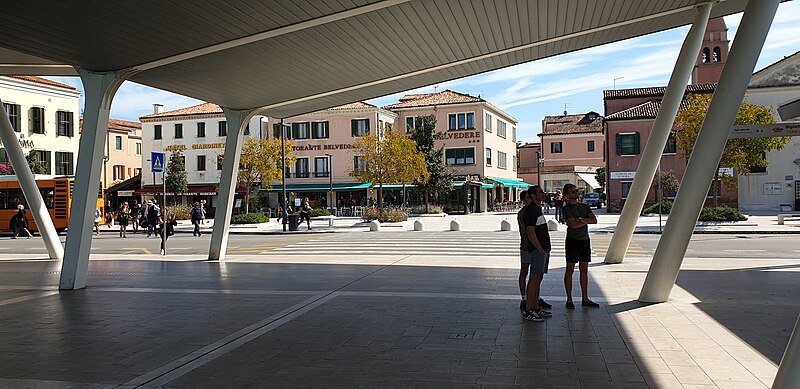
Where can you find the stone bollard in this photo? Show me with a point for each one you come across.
(505, 225)
(552, 225)
(419, 225)
(374, 225)
(330, 221)
(455, 225)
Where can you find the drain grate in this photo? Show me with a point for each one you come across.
(465, 336)
(119, 274)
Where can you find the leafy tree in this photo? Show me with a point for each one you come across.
(176, 174)
(600, 176)
(739, 153)
(441, 176)
(389, 158)
(260, 163)
(37, 166)
(669, 183)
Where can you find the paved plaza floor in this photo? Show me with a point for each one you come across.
(416, 312)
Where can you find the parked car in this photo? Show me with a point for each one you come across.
(592, 200)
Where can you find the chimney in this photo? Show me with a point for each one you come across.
(158, 108)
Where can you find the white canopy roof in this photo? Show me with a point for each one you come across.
(295, 56)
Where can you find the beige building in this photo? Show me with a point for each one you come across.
(44, 115)
(123, 154)
(573, 147)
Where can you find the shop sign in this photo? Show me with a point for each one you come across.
(196, 146)
(457, 135)
(124, 193)
(341, 146)
(622, 175)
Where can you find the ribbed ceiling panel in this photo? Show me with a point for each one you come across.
(341, 60)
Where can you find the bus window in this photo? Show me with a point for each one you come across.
(15, 197)
(48, 195)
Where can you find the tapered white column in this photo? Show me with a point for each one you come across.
(788, 376)
(658, 137)
(708, 148)
(237, 121)
(29, 188)
(100, 89)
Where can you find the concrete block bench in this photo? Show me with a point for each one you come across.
(784, 216)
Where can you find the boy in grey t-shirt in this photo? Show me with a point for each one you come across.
(577, 246)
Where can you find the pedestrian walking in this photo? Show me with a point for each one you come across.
(152, 217)
(305, 212)
(134, 216)
(536, 244)
(123, 218)
(166, 227)
(19, 223)
(204, 209)
(577, 246)
(558, 204)
(197, 217)
(109, 214)
(98, 217)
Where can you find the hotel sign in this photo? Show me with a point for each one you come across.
(341, 146)
(196, 146)
(457, 135)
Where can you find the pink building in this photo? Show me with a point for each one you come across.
(573, 147)
(529, 157)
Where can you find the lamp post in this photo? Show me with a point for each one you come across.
(330, 179)
(283, 177)
(538, 168)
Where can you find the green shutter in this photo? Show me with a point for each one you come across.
(47, 160)
(366, 125)
(71, 126)
(354, 127)
(619, 144)
(294, 130)
(276, 131)
(636, 143)
(327, 130)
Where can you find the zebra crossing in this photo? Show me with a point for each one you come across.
(447, 243)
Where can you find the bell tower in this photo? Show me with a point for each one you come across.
(713, 53)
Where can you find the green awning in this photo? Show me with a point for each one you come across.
(458, 184)
(321, 187)
(510, 183)
(394, 186)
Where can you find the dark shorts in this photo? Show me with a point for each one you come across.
(578, 250)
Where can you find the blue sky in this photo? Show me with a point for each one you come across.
(533, 90)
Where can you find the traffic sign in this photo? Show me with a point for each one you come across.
(157, 162)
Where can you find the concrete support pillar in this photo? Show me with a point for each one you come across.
(788, 375)
(658, 137)
(29, 188)
(100, 89)
(708, 148)
(237, 121)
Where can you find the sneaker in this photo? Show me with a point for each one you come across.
(590, 303)
(531, 315)
(523, 305)
(570, 305)
(541, 312)
(544, 304)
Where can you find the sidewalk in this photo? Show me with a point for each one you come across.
(606, 223)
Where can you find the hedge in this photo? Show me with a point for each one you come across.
(249, 218)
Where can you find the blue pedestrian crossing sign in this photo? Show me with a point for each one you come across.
(157, 162)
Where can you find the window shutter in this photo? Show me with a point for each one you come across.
(619, 144)
(636, 143)
(295, 130)
(70, 125)
(366, 125)
(354, 127)
(276, 131)
(327, 130)
(47, 160)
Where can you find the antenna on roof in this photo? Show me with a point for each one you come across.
(435, 87)
(567, 105)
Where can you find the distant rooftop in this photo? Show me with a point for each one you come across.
(655, 91)
(430, 99)
(40, 80)
(572, 124)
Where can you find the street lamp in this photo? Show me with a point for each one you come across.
(330, 179)
(538, 168)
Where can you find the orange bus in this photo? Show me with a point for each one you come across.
(56, 192)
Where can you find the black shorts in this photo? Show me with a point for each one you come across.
(578, 250)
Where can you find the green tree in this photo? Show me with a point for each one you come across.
(389, 158)
(740, 154)
(600, 176)
(176, 175)
(260, 163)
(37, 166)
(441, 175)
(669, 183)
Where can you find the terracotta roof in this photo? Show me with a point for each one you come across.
(529, 145)
(40, 80)
(201, 109)
(356, 105)
(572, 124)
(655, 91)
(429, 99)
(646, 110)
(123, 125)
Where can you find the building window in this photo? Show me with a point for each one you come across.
(320, 130)
(501, 128)
(157, 132)
(223, 128)
(37, 120)
(44, 156)
(556, 148)
(672, 144)
(359, 127)
(321, 167)
(514, 162)
(201, 130)
(201, 163)
(64, 122)
(301, 168)
(178, 131)
(64, 165)
(461, 121)
(514, 134)
(628, 144)
(137, 171)
(118, 142)
(118, 172)
(626, 188)
(138, 148)
(488, 157)
(358, 164)
(488, 122)
(590, 146)
(717, 55)
(12, 110)
(411, 123)
(501, 160)
(706, 55)
(460, 156)
(276, 131)
(300, 130)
